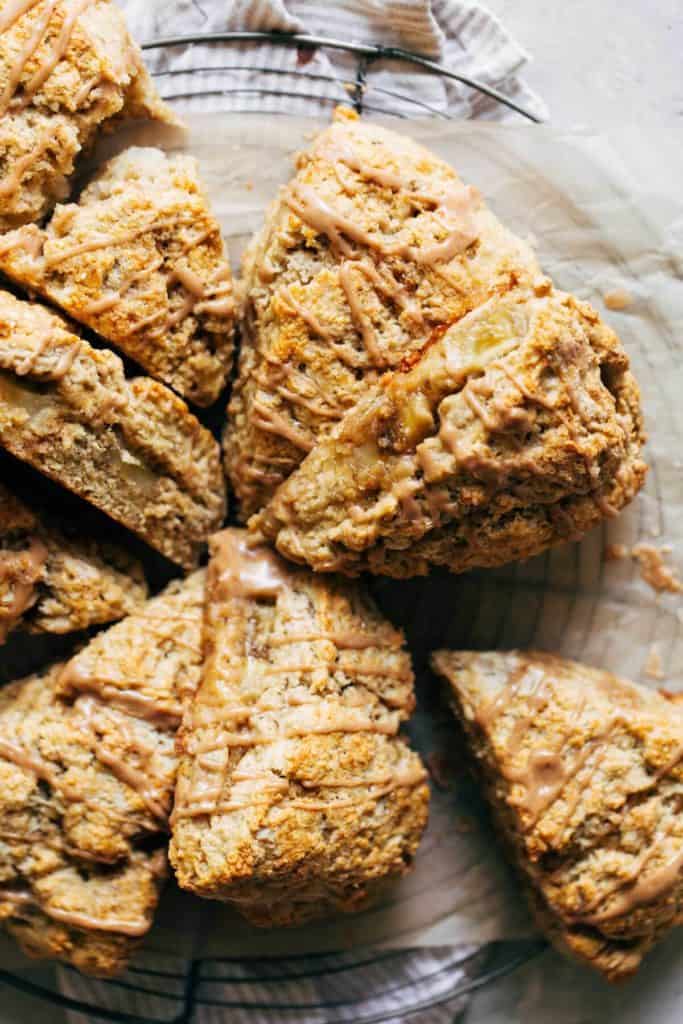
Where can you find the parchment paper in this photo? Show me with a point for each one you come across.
(595, 231)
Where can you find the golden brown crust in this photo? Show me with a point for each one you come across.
(140, 259)
(131, 448)
(519, 428)
(585, 775)
(66, 71)
(296, 796)
(87, 770)
(329, 308)
(77, 583)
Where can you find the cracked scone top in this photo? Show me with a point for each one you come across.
(140, 259)
(585, 775)
(53, 583)
(130, 447)
(67, 69)
(87, 770)
(296, 796)
(375, 246)
(518, 428)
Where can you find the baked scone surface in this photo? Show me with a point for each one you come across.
(295, 795)
(53, 583)
(585, 775)
(375, 246)
(130, 447)
(87, 769)
(518, 428)
(140, 259)
(66, 70)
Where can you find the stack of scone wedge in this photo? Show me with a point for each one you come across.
(411, 391)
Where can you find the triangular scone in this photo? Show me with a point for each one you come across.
(518, 428)
(296, 796)
(140, 259)
(368, 254)
(53, 583)
(130, 447)
(67, 69)
(585, 775)
(87, 769)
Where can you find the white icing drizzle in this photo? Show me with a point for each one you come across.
(310, 319)
(20, 571)
(13, 10)
(25, 54)
(272, 422)
(19, 168)
(75, 918)
(60, 47)
(358, 314)
(137, 779)
(111, 298)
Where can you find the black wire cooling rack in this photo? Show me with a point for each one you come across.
(154, 994)
(359, 88)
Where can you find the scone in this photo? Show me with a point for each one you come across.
(519, 427)
(67, 70)
(53, 583)
(140, 259)
(296, 797)
(585, 775)
(87, 769)
(131, 448)
(373, 249)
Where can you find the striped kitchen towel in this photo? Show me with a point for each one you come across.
(459, 34)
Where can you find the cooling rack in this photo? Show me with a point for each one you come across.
(360, 89)
(172, 992)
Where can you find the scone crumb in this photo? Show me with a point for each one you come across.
(653, 667)
(342, 113)
(654, 570)
(675, 698)
(617, 299)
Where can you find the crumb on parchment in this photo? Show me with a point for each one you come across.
(615, 552)
(653, 667)
(617, 299)
(653, 568)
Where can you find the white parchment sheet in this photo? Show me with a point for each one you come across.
(595, 231)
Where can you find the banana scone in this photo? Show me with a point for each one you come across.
(518, 428)
(584, 772)
(68, 68)
(296, 796)
(140, 259)
(373, 249)
(87, 769)
(130, 447)
(54, 583)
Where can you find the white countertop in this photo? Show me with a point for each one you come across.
(613, 66)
